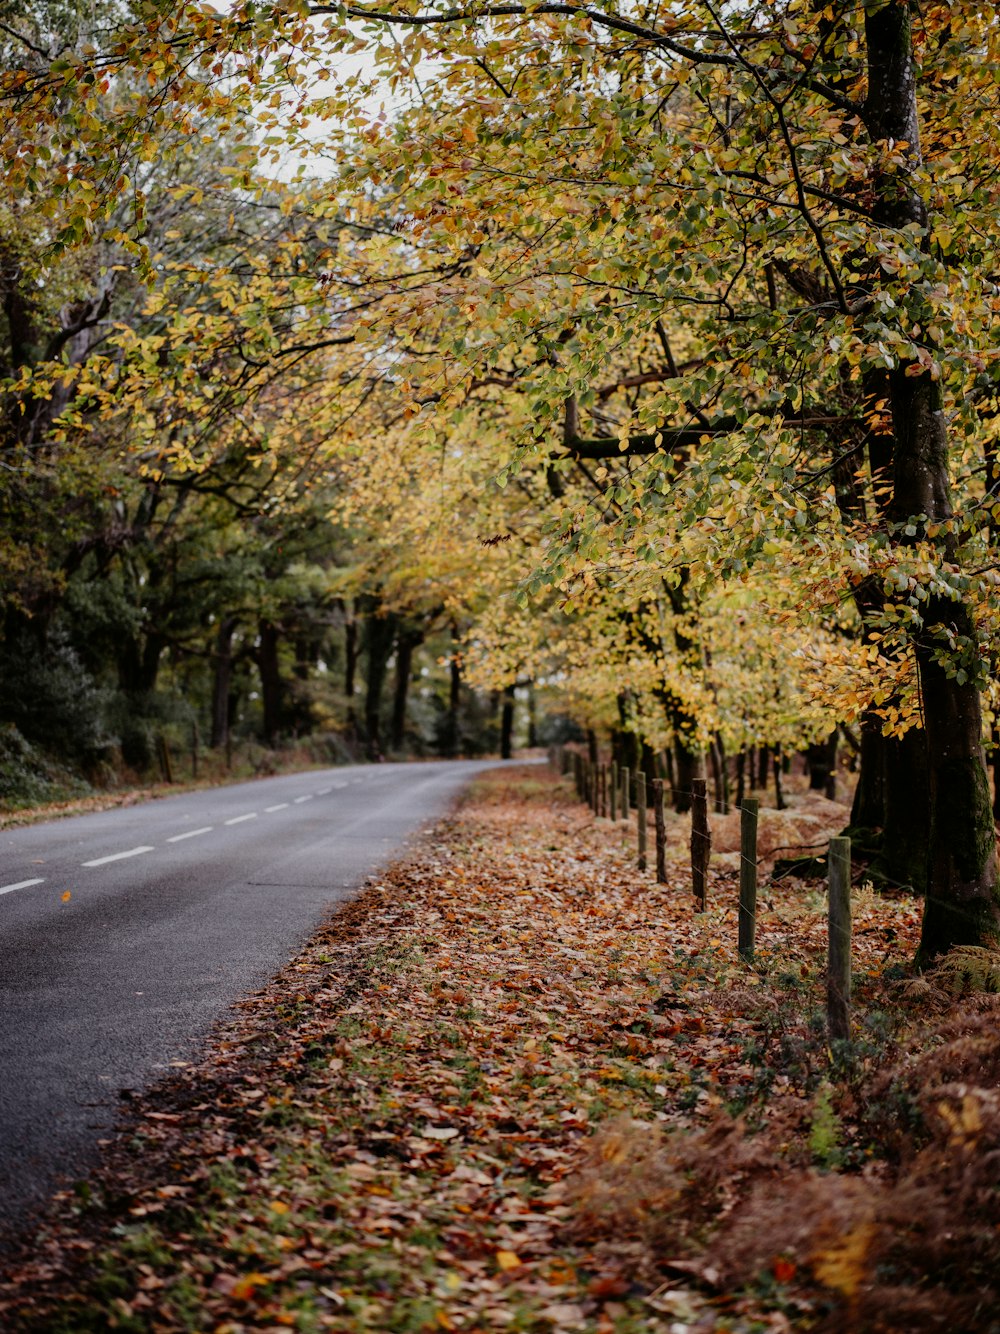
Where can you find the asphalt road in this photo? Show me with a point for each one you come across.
(176, 908)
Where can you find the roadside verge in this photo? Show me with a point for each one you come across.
(451, 1111)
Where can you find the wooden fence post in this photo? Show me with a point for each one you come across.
(701, 841)
(613, 791)
(838, 970)
(748, 879)
(626, 787)
(640, 816)
(660, 823)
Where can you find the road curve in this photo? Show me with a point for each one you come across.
(126, 933)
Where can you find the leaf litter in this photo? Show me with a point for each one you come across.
(460, 1108)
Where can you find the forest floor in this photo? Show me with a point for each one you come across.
(517, 1085)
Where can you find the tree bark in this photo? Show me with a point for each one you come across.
(903, 856)
(763, 767)
(963, 898)
(350, 669)
(221, 677)
(380, 632)
(690, 766)
(868, 807)
(821, 758)
(532, 717)
(451, 736)
(720, 775)
(271, 684)
(741, 767)
(507, 724)
(406, 643)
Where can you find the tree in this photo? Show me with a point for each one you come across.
(743, 185)
(792, 140)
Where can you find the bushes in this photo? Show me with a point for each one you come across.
(910, 1242)
(27, 778)
(49, 697)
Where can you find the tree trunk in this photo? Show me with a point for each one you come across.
(763, 767)
(406, 643)
(507, 724)
(450, 736)
(271, 684)
(690, 767)
(821, 757)
(833, 744)
(630, 751)
(668, 760)
(779, 795)
(720, 775)
(963, 899)
(741, 769)
(648, 763)
(902, 859)
(380, 632)
(221, 676)
(350, 669)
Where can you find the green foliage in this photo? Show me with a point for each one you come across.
(28, 778)
(825, 1132)
(50, 698)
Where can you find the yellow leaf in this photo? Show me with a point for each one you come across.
(279, 1207)
(243, 1289)
(507, 1260)
(66, 897)
(964, 1125)
(842, 1266)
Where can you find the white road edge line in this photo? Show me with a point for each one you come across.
(117, 856)
(282, 806)
(238, 819)
(300, 800)
(322, 792)
(21, 884)
(191, 833)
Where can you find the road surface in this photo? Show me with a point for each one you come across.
(125, 934)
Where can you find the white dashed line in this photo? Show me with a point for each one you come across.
(238, 819)
(191, 833)
(21, 884)
(282, 806)
(323, 791)
(300, 800)
(117, 856)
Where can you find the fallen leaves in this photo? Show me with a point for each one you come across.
(382, 1139)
